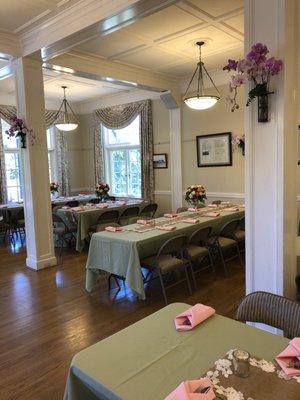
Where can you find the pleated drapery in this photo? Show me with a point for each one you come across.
(6, 113)
(118, 117)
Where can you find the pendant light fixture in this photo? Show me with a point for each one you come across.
(66, 121)
(200, 100)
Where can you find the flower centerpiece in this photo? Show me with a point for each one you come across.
(195, 195)
(102, 190)
(258, 69)
(19, 129)
(238, 142)
(54, 186)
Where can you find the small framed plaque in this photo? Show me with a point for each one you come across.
(214, 150)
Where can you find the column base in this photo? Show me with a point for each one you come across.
(41, 262)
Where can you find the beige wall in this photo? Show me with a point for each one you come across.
(215, 120)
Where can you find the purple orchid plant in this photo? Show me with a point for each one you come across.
(256, 68)
(19, 129)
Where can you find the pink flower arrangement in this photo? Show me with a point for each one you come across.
(256, 68)
(102, 189)
(18, 128)
(195, 194)
(54, 186)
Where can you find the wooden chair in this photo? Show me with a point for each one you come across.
(127, 214)
(227, 243)
(108, 217)
(198, 250)
(181, 210)
(149, 210)
(169, 258)
(64, 232)
(271, 309)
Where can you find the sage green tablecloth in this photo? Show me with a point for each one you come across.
(149, 359)
(120, 253)
(89, 217)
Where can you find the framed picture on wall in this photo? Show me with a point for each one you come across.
(214, 150)
(160, 160)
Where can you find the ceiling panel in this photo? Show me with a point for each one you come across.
(216, 8)
(236, 23)
(163, 23)
(112, 44)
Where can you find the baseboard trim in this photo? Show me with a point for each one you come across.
(40, 263)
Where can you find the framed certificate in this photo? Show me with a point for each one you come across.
(214, 150)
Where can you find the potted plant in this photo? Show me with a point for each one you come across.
(102, 190)
(195, 195)
(19, 129)
(257, 69)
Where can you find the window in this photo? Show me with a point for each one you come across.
(14, 166)
(122, 154)
(52, 161)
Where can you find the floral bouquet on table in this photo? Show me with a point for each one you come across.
(102, 190)
(195, 195)
(19, 129)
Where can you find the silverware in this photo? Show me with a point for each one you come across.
(203, 390)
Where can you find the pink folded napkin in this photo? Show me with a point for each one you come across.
(144, 221)
(3, 206)
(192, 209)
(90, 204)
(76, 209)
(102, 205)
(114, 229)
(167, 227)
(171, 215)
(65, 208)
(121, 202)
(191, 220)
(212, 214)
(292, 352)
(191, 390)
(192, 317)
(232, 209)
(212, 205)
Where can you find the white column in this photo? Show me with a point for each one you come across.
(37, 204)
(271, 158)
(175, 150)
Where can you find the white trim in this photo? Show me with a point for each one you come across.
(45, 261)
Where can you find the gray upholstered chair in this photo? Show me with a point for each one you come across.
(197, 249)
(149, 210)
(181, 210)
(169, 258)
(271, 309)
(227, 244)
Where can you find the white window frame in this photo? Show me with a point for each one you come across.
(108, 149)
(14, 150)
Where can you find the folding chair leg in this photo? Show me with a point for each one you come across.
(188, 279)
(212, 263)
(223, 261)
(193, 276)
(240, 256)
(162, 286)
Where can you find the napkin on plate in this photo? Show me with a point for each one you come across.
(144, 221)
(212, 214)
(65, 208)
(76, 209)
(121, 202)
(190, 390)
(171, 215)
(193, 316)
(292, 352)
(167, 227)
(232, 209)
(191, 220)
(192, 209)
(102, 205)
(114, 229)
(212, 205)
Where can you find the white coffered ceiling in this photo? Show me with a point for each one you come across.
(165, 41)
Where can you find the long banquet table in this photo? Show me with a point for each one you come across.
(149, 359)
(120, 253)
(90, 214)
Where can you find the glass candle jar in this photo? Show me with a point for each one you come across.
(241, 365)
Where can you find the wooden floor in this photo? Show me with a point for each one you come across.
(46, 317)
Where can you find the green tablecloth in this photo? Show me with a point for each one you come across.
(120, 253)
(89, 217)
(149, 359)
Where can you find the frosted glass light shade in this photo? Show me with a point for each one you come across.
(201, 102)
(66, 127)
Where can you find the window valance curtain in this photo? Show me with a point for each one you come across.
(118, 117)
(6, 113)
